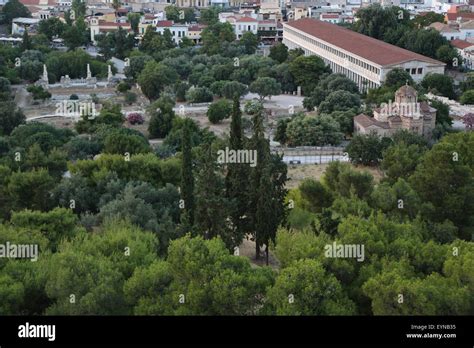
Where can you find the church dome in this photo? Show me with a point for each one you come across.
(406, 91)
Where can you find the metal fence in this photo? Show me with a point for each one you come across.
(311, 154)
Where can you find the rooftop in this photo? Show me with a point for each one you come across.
(366, 121)
(247, 19)
(467, 25)
(443, 28)
(461, 44)
(366, 47)
(23, 20)
(164, 23)
(462, 15)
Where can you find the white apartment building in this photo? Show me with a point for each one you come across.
(193, 3)
(245, 24)
(99, 26)
(466, 50)
(448, 32)
(179, 31)
(467, 30)
(330, 18)
(363, 59)
(462, 31)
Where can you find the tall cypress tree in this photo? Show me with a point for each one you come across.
(212, 207)
(237, 178)
(26, 43)
(267, 199)
(263, 211)
(261, 145)
(236, 132)
(187, 177)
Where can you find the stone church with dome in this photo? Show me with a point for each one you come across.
(404, 113)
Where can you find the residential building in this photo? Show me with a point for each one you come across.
(270, 31)
(297, 13)
(459, 31)
(100, 26)
(178, 31)
(20, 24)
(458, 17)
(467, 30)
(363, 59)
(40, 4)
(447, 31)
(270, 6)
(330, 18)
(194, 32)
(241, 22)
(245, 24)
(193, 3)
(466, 51)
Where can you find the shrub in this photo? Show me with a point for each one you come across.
(199, 95)
(38, 92)
(135, 118)
(130, 98)
(219, 110)
(122, 87)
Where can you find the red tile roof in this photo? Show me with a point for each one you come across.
(164, 24)
(30, 2)
(113, 24)
(366, 121)
(463, 15)
(247, 19)
(461, 43)
(363, 46)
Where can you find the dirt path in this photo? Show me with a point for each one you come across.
(247, 249)
(21, 97)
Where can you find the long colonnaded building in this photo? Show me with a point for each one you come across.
(363, 59)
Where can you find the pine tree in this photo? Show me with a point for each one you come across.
(237, 178)
(187, 177)
(212, 207)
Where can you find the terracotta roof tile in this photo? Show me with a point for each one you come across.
(463, 15)
(461, 44)
(164, 23)
(363, 46)
(30, 2)
(366, 121)
(247, 19)
(443, 28)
